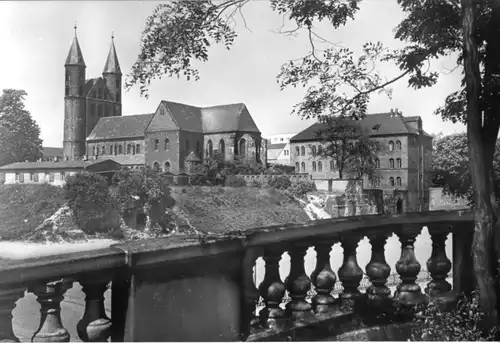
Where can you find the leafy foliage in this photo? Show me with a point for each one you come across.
(280, 182)
(88, 197)
(301, 188)
(461, 324)
(235, 181)
(19, 133)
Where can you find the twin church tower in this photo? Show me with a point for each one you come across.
(86, 101)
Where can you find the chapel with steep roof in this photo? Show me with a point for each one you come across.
(88, 100)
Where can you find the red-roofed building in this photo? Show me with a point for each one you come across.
(405, 159)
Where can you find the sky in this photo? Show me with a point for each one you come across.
(36, 36)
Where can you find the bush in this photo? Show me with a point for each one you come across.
(461, 324)
(235, 181)
(89, 198)
(301, 188)
(280, 182)
(256, 184)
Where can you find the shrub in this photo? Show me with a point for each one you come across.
(461, 324)
(280, 182)
(301, 188)
(256, 184)
(235, 181)
(89, 198)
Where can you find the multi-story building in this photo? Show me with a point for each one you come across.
(278, 148)
(404, 164)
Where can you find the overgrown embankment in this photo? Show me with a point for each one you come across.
(24, 207)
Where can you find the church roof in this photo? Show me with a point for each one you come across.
(75, 56)
(52, 152)
(120, 127)
(385, 124)
(89, 84)
(128, 160)
(222, 118)
(193, 157)
(112, 65)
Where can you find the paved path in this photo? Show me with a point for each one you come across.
(27, 315)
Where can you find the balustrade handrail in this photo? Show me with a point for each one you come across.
(177, 248)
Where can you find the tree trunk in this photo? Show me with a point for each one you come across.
(483, 215)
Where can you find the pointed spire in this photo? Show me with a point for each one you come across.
(75, 56)
(112, 65)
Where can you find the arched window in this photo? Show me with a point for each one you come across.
(391, 163)
(302, 150)
(391, 181)
(103, 150)
(129, 149)
(222, 148)
(320, 166)
(111, 150)
(120, 149)
(242, 149)
(297, 167)
(391, 146)
(303, 166)
(166, 147)
(314, 166)
(167, 167)
(398, 181)
(209, 148)
(377, 163)
(137, 148)
(157, 144)
(377, 146)
(93, 151)
(116, 149)
(332, 165)
(313, 150)
(297, 151)
(398, 163)
(156, 167)
(133, 149)
(320, 150)
(187, 146)
(398, 145)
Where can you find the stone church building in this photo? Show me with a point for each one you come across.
(173, 138)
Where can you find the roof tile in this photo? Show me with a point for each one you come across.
(120, 127)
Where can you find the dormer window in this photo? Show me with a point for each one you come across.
(162, 111)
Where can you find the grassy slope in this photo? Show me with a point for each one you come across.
(24, 207)
(214, 209)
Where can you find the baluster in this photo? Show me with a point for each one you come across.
(350, 274)
(272, 290)
(298, 283)
(408, 292)
(49, 296)
(95, 326)
(8, 298)
(323, 279)
(378, 271)
(250, 292)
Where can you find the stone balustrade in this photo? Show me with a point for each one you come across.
(203, 288)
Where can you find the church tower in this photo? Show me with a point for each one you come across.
(112, 75)
(74, 103)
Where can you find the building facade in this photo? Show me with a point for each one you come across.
(278, 148)
(404, 165)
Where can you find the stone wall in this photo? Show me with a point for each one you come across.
(264, 178)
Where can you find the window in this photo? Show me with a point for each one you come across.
(320, 150)
(303, 166)
(391, 181)
(320, 166)
(398, 163)
(120, 151)
(17, 177)
(116, 149)
(377, 163)
(377, 146)
(137, 148)
(198, 148)
(166, 147)
(398, 145)
(133, 149)
(103, 150)
(222, 147)
(67, 78)
(314, 166)
(162, 111)
(157, 144)
(63, 176)
(243, 147)
(129, 149)
(167, 167)
(47, 175)
(209, 148)
(297, 167)
(297, 151)
(391, 146)
(302, 151)
(391, 163)
(32, 176)
(313, 150)
(398, 181)
(156, 167)
(375, 183)
(51, 177)
(93, 151)
(332, 165)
